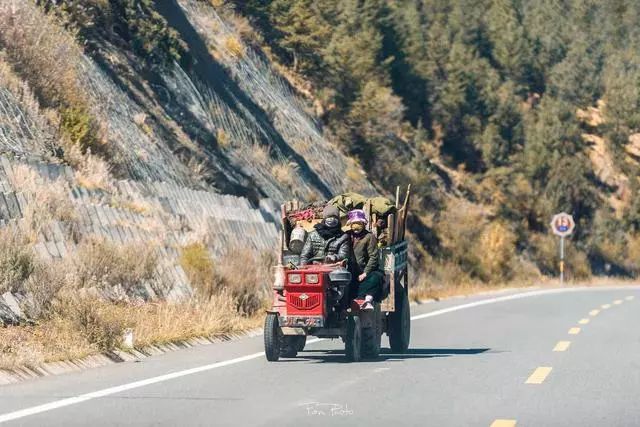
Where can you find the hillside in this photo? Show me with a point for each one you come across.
(527, 107)
(145, 146)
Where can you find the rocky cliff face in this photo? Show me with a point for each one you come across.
(200, 151)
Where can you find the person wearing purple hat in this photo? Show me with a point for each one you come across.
(364, 260)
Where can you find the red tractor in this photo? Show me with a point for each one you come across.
(314, 300)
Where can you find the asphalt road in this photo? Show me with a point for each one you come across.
(542, 358)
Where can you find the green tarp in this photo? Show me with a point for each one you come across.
(381, 206)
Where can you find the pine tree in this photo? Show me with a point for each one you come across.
(510, 47)
(304, 31)
(577, 78)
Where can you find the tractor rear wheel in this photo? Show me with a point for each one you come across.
(400, 324)
(372, 335)
(272, 337)
(353, 340)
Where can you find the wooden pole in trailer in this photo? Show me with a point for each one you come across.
(406, 210)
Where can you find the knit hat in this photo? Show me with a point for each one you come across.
(330, 211)
(357, 215)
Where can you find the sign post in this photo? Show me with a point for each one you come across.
(562, 225)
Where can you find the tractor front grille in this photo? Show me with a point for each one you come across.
(309, 303)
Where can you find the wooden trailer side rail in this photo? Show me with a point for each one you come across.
(394, 261)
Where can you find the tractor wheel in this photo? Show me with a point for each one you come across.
(400, 324)
(353, 340)
(289, 345)
(372, 336)
(272, 337)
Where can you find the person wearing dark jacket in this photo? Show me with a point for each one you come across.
(364, 262)
(327, 242)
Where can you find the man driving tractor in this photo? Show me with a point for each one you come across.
(327, 242)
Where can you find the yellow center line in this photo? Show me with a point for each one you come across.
(630, 297)
(562, 346)
(503, 423)
(583, 321)
(594, 312)
(605, 306)
(574, 331)
(618, 302)
(539, 375)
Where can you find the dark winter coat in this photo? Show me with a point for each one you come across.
(365, 252)
(321, 242)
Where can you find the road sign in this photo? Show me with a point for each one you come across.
(562, 224)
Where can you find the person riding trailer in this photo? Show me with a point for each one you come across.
(327, 242)
(364, 261)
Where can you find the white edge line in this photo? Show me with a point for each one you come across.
(173, 375)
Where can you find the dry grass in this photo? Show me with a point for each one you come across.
(259, 154)
(197, 263)
(47, 201)
(80, 327)
(94, 173)
(104, 265)
(241, 273)
(133, 205)
(43, 286)
(284, 173)
(234, 46)
(47, 57)
(246, 277)
(54, 340)
(163, 323)
(223, 139)
(496, 248)
(140, 119)
(17, 261)
(41, 50)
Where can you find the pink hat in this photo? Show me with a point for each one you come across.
(357, 215)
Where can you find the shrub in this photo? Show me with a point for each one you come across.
(99, 321)
(223, 139)
(577, 264)
(103, 264)
(459, 228)
(234, 46)
(80, 128)
(198, 265)
(47, 56)
(94, 173)
(47, 201)
(633, 253)
(284, 173)
(17, 260)
(241, 273)
(496, 249)
(43, 286)
(246, 276)
(544, 252)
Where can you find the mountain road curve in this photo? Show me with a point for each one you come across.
(537, 357)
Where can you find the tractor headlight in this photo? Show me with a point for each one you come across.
(312, 279)
(295, 278)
